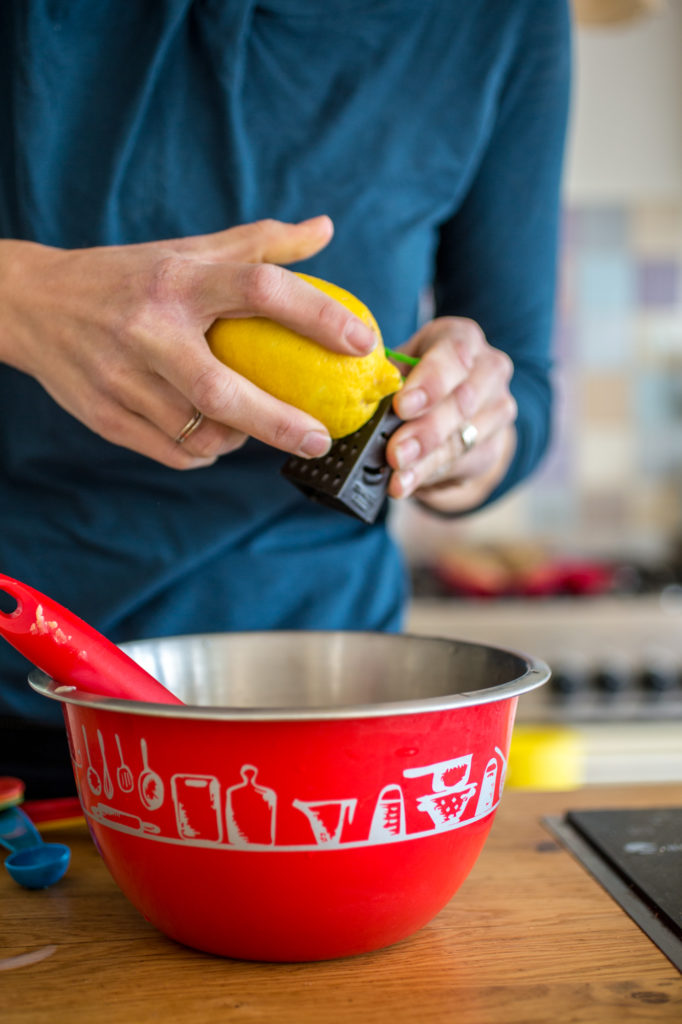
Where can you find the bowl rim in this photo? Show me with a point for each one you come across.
(536, 673)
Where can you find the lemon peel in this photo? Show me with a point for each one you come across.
(342, 391)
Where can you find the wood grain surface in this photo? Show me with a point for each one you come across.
(530, 938)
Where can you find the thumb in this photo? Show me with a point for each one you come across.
(263, 241)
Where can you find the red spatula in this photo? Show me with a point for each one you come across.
(72, 652)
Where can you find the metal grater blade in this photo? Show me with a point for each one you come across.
(353, 476)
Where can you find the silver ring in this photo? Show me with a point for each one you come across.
(190, 427)
(468, 435)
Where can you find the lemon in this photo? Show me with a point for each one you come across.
(341, 391)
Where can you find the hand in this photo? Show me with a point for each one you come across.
(460, 379)
(116, 335)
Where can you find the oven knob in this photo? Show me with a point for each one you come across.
(569, 675)
(659, 670)
(566, 682)
(656, 679)
(610, 679)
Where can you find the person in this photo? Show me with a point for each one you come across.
(168, 163)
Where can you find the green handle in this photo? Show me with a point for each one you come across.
(401, 357)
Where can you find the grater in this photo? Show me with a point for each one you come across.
(353, 476)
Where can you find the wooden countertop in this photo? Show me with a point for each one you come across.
(530, 937)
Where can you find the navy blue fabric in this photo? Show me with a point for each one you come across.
(430, 130)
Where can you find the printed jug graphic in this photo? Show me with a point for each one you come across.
(327, 818)
(250, 811)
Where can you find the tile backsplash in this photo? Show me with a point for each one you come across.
(612, 481)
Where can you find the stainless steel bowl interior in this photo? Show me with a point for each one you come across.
(293, 675)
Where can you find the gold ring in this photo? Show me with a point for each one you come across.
(468, 435)
(190, 427)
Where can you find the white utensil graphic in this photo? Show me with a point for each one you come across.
(94, 781)
(196, 799)
(108, 784)
(327, 818)
(388, 819)
(445, 775)
(250, 811)
(486, 796)
(149, 784)
(124, 776)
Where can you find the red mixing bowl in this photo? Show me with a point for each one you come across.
(320, 794)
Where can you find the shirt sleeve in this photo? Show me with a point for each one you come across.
(497, 256)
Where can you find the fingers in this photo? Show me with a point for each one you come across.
(263, 289)
(229, 402)
(447, 460)
(127, 354)
(264, 241)
(185, 377)
(449, 347)
(460, 379)
(235, 273)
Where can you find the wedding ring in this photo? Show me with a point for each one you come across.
(190, 427)
(468, 435)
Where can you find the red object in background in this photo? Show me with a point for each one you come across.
(59, 811)
(538, 579)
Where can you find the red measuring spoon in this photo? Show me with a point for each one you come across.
(72, 652)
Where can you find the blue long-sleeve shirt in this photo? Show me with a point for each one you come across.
(431, 131)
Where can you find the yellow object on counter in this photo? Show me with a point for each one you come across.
(546, 758)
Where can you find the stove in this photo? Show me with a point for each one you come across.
(616, 665)
(636, 855)
(612, 658)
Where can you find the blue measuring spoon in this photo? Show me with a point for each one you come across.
(32, 862)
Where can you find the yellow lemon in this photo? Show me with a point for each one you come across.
(341, 391)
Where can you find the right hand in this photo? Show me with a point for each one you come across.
(116, 335)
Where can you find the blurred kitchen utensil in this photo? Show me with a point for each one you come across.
(32, 862)
(72, 652)
(11, 791)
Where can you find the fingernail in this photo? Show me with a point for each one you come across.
(409, 403)
(314, 444)
(408, 452)
(406, 481)
(360, 337)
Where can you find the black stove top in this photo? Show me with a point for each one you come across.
(637, 856)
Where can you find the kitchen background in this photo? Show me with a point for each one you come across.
(583, 564)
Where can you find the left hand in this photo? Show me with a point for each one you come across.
(460, 380)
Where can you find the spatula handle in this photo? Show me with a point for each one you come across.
(72, 652)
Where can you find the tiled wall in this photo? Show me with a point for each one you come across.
(613, 479)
